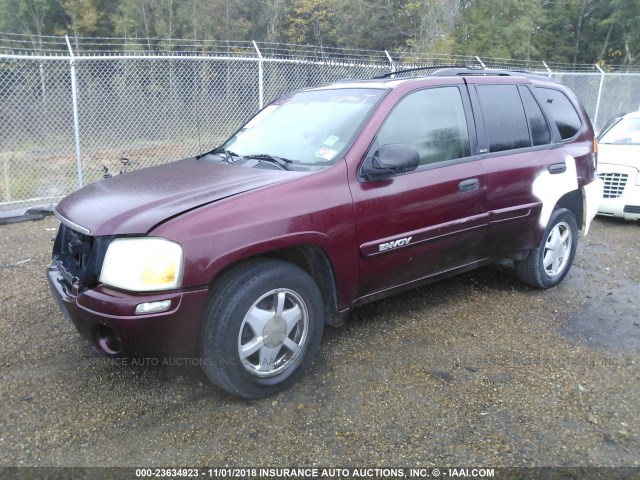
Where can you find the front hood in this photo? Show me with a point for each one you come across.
(627, 155)
(137, 201)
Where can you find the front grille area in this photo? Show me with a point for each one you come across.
(631, 209)
(614, 184)
(79, 257)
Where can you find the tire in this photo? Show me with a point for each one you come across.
(262, 327)
(548, 264)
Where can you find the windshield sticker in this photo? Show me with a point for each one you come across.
(326, 153)
(329, 154)
(331, 139)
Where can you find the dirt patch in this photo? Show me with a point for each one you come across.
(474, 370)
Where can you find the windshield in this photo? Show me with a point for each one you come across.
(625, 132)
(307, 128)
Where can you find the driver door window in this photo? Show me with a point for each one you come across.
(433, 121)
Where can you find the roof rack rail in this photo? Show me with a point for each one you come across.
(506, 72)
(435, 68)
(471, 70)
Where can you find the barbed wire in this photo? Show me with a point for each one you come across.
(54, 45)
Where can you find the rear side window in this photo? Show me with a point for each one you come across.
(540, 133)
(504, 119)
(562, 111)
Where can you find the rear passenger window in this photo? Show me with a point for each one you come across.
(504, 119)
(433, 121)
(562, 111)
(540, 133)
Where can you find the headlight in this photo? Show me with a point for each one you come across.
(142, 264)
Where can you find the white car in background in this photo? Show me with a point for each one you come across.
(619, 167)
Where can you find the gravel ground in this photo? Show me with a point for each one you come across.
(478, 370)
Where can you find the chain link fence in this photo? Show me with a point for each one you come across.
(151, 109)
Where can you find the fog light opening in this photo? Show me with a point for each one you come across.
(108, 341)
(153, 307)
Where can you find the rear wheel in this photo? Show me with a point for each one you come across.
(548, 264)
(262, 328)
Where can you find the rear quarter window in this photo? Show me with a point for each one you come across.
(561, 110)
(540, 132)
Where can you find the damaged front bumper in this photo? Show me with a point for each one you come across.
(107, 318)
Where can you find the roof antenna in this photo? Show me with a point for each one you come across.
(480, 62)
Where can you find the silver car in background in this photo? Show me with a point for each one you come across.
(619, 167)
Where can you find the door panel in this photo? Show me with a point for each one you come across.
(514, 208)
(432, 220)
(523, 165)
(420, 224)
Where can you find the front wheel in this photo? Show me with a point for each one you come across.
(261, 328)
(548, 264)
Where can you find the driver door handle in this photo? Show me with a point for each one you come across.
(469, 185)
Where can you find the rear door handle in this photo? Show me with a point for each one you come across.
(557, 168)
(469, 185)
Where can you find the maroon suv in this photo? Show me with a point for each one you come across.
(327, 199)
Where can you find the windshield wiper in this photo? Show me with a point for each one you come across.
(228, 155)
(283, 163)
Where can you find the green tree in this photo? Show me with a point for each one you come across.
(366, 24)
(33, 17)
(311, 22)
(499, 28)
(274, 14)
(567, 31)
(621, 42)
(83, 17)
(426, 24)
(586, 31)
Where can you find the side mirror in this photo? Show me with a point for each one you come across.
(389, 160)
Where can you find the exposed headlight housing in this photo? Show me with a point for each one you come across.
(143, 264)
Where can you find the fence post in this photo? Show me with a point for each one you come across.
(595, 116)
(76, 121)
(260, 77)
(393, 65)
